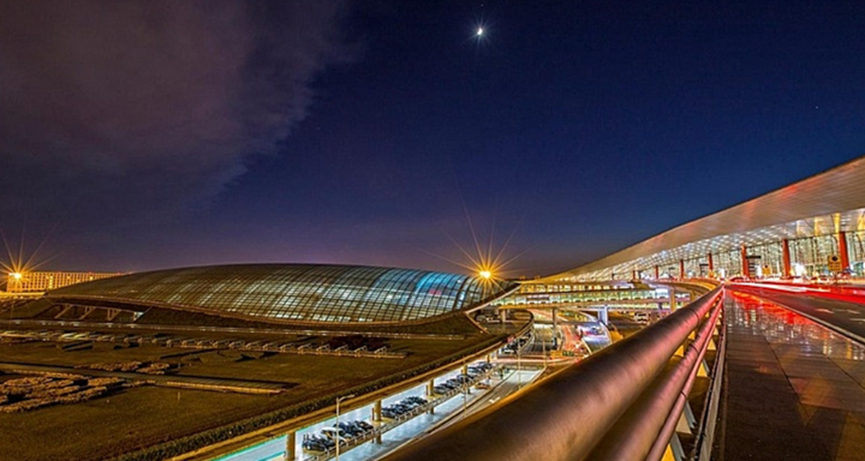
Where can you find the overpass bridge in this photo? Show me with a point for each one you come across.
(598, 298)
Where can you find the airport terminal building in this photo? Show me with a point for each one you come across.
(811, 228)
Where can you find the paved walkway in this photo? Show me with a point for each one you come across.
(793, 390)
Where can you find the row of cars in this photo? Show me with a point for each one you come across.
(403, 407)
(327, 438)
(474, 375)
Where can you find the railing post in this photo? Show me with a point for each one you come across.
(676, 446)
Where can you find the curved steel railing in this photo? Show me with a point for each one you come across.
(625, 392)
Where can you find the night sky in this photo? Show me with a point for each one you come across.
(156, 134)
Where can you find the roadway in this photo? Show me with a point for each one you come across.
(840, 311)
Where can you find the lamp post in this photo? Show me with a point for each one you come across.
(338, 437)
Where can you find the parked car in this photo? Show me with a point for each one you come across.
(364, 425)
(318, 443)
(441, 390)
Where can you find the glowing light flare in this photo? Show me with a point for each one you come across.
(480, 31)
(485, 274)
(16, 275)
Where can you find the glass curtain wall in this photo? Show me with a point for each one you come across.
(856, 251)
(811, 254)
(771, 262)
(728, 263)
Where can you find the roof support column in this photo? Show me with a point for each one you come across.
(681, 269)
(746, 271)
(785, 247)
(711, 263)
(657, 275)
(290, 446)
(842, 250)
(634, 274)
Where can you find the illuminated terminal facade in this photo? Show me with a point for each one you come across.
(814, 228)
(36, 282)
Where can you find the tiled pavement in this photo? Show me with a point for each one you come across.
(793, 390)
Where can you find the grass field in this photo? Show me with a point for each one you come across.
(147, 415)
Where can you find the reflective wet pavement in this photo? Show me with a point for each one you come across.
(793, 389)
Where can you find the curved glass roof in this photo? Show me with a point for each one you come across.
(297, 292)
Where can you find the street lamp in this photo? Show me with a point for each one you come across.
(338, 437)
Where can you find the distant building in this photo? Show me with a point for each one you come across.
(30, 282)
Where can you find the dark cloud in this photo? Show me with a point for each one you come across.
(122, 111)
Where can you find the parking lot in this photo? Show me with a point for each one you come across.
(400, 429)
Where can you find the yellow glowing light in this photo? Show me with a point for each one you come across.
(16, 275)
(485, 274)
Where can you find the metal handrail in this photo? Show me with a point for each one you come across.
(702, 449)
(565, 416)
(646, 428)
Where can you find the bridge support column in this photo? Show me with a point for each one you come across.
(604, 314)
(503, 315)
(290, 443)
(672, 294)
(376, 418)
(376, 411)
(554, 319)
(842, 250)
(430, 393)
(785, 254)
(746, 271)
